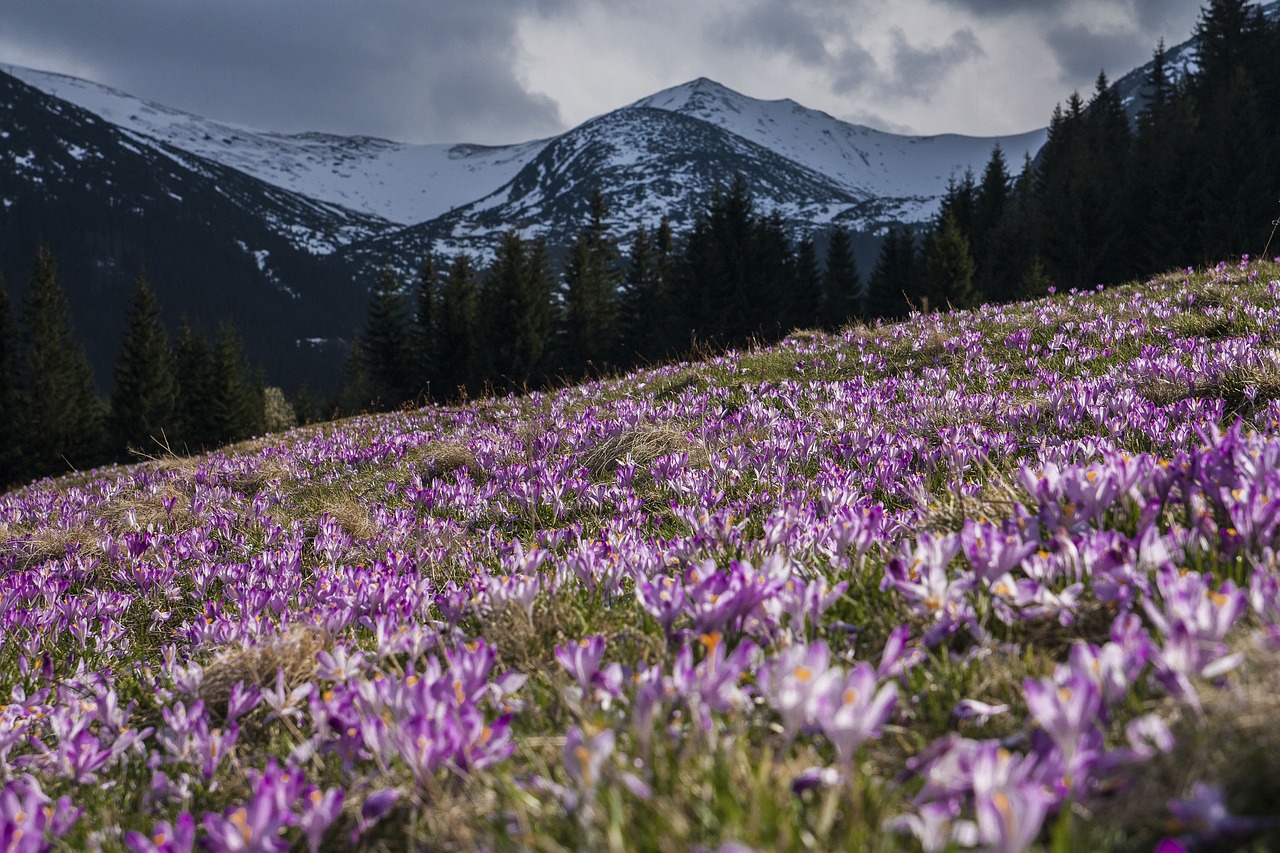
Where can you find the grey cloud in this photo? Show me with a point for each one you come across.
(917, 71)
(1148, 14)
(856, 70)
(996, 8)
(399, 68)
(788, 28)
(1082, 53)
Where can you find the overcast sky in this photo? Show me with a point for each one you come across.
(495, 71)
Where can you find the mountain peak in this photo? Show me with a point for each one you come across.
(700, 93)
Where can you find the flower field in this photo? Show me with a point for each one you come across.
(1003, 579)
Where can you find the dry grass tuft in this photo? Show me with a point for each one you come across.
(49, 543)
(643, 444)
(350, 511)
(1234, 744)
(293, 652)
(1262, 382)
(441, 458)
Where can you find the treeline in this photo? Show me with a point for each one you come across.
(179, 397)
(1194, 179)
(459, 330)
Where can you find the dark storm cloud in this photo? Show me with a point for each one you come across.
(791, 29)
(919, 70)
(1148, 14)
(1005, 7)
(1082, 53)
(407, 69)
(814, 34)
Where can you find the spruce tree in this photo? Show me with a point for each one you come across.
(426, 311)
(715, 270)
(1160, 234)
(842, 284)
(145, 394)
(192, 363)
(10, 453)
(961, 201)
(805, 299)
(458, 341)
(1063, 190)
(354, 395)
(60, 419)
(990, 203)
(769, 279)
(669, 322)
(1011, 246)
(891, 288)
(385, 345)
(636, 300)
(233, 409)
(590, 294)
(1108, 137)
(947, 267)
(519, 321)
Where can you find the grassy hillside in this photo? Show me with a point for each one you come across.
(999, 578)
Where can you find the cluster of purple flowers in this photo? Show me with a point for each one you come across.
(289, 643)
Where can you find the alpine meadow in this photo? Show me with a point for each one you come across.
(683, 496)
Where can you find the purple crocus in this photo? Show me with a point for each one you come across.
(178, 837)
(854, 710)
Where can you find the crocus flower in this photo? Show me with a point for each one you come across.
(853, 710)
(178, 837)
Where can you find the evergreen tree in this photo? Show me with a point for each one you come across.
(457, 367)
(590, 294)
(60, 419)
(806, 300)
(1237, 183)
(1063, 190)
(10, 453)
(841, 283)
(960, 201)
(769, 279)
(232, 407)
(989, 207)
(1231, 38)
(637, 300)
(354, 395)
(1108, 139)
(427, 308)
(1160, 229)
(715, 268)
(193, 374)
(891, 288)
(145, 395)
(385, 345)
(1011, 245)
(544, 312)
(519, 319)
(947, 267)
(668, 320)
(306, 409)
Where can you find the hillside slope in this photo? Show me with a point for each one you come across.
(210, 238)
(983, 579)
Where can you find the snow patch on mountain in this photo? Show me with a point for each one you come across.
(863, 160)
(397, 182)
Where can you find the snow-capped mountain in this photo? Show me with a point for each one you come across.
(904, 174)
(860, 175)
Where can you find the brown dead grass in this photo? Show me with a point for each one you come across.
(49, 543)
(292, 652)
(643, 444)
